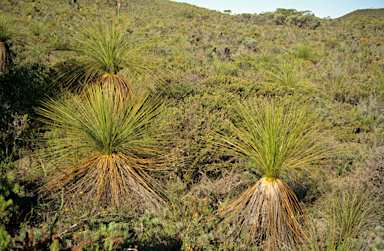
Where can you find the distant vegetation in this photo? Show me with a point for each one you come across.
(365, 12)
(155, 125)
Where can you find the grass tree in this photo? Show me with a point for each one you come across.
(104, 53)
(290, 74)
(274, 137)
(7, 32)
(305, 51)
(103, 148)
(97, 6)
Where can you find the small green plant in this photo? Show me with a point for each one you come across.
(353, 209)
(54, 220)
(265, 59)
(8, 189)
(38, 52)
(304, 51)
(349, 215)
(290, 74)
(331, 44)
(5, 238)
(178, 41)
(104, 236)
(37, 28)
(378, 239)
(28, 12)
(225, 69)
(381, 82)
(250, 43)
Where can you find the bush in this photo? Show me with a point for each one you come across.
(8, 192)
(5, 238)
(308, 21)
(279, 19)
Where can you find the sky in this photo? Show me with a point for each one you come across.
(321, 8)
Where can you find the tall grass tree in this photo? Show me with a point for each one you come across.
(274, 137)
(103, 148)
(104, 52)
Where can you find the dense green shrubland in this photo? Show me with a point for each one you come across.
(204, 63)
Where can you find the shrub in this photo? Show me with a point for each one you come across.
(8, 190)
(5, 238)
(279, 19)
(292, 20)
(225, 69)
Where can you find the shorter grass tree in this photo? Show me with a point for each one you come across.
(290, 74)
(104, 52)
(103, 148)
(274, 137)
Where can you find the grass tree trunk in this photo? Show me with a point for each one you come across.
(272, 213)
(97, 7)
(5, 57)
(118, 7)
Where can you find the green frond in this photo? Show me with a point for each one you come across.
(105, 147)
(7, 29)
(277, 136)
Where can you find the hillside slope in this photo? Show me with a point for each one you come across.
(364, 12)
(211, 62)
